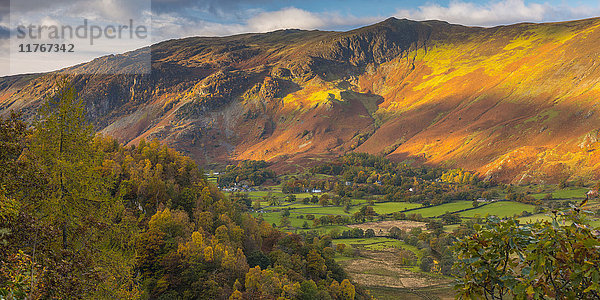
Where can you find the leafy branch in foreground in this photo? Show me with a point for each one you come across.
(549, 259)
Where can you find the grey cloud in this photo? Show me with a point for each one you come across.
(4, 9)
(491, 13)
(4, 33)
(215, 7)
(123, 9)
(113, 10)
(36, 5)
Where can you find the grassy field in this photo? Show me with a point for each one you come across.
(450, 228)
(275, 217)
(324, 229)
(535, 218)
(358, 201)
(212, 179)
(301, 195)
(260, 194)
(283, 205)
(435, 211)
(380, 208)
(326, 210)
(546, 217)
(500, 209)
(390, 207)
(276, 192)
(568, 193)
(272, 214)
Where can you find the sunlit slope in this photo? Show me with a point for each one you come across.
(517, 103)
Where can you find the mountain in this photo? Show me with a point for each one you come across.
(515, 103)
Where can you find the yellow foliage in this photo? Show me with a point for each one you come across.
(236, 295)
(348, 292)
(228, 261)
(208, 254)
(291, 290)
(197, 238)
(457, 176)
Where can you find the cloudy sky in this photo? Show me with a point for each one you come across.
(219, 17)
(181, 18)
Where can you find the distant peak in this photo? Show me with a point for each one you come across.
(393, 20)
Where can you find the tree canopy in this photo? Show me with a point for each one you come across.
(83, 216)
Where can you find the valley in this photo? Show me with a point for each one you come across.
(390, 245)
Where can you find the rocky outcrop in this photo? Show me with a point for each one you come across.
(378, 43)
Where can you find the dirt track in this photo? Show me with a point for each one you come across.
(382, 269)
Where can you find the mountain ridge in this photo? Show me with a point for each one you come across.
(517, 103)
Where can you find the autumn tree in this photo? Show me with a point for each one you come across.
(13, 134)
(347, 290)
(15, 265)
(74, 232)
(61, 146)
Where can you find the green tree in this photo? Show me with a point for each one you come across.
(256, 205)
(435, 226)
(272, 200)
(61, 146)
(285, 222)
(426, 263)
(556, 259)
(315, 264)
(308, 290)
(563, 184)
(449, 218)
(69, 191)
(13, 135)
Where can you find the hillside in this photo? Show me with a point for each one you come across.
(516, 103)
